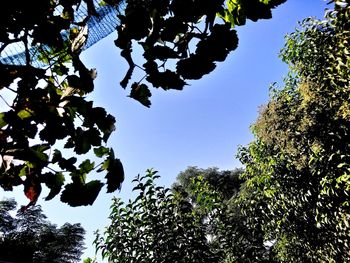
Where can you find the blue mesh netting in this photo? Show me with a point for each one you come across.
(98, 28)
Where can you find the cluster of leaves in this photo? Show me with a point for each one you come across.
(168, 30)
(45, 108)
(232, 238)
(29, 237)
(192, 222)
(297, 170)
(225, 182)
(157, 226)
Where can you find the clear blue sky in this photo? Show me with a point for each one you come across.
(203, 125)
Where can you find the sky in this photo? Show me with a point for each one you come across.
(202, 125)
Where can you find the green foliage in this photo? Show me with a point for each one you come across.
(226, 183)
(49, 104)
(157, 226)
(297, 177)
(89, 260)
(235, 240)
(29, 237)
(238, 11)
(188, 223)
(168, 30)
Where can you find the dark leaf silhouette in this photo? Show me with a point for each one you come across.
(195, 67)
(166, 80)
(115, 173)
(54, 182)
(141, 93)
(76, 194)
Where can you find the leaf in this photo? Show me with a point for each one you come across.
(105, 122)
(101, 151)
(85, 139)
(78, 176)
(74, 84)
(2, 121)
(57, 156)
(194, 67)
(151, 67)
(141, 93)
(166, 80)
(31, 155)
(54, 182)
(60, 69)
(35, 154)
(54, 128)
(173, 27)
(67, 164)
(257, 10)
(114, 176)
(76, 194)
(32, 189)
(160, 52)
(26, 113)
(342, 165)
(115, 173)
(39, 156)
(137, 22)
(235, 13)
(86, 166)
(218, 44)
(41, 147)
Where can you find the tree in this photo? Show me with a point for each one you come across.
(47, 106)
(233, 238)
(182, 224)
(29, 237)
(156, 226)
(297, 170)
(227, 183)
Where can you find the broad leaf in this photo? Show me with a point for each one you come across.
(76, 194)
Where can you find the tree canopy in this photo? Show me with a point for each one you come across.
(30, 238)
(297, 170)
(232, 238)
(160, 225)
(190, 222)
(46, 108)
(226, 182)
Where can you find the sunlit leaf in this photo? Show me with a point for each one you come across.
(101, 151)
(23, 114)
(2, 121)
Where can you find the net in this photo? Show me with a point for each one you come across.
(99, 27)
